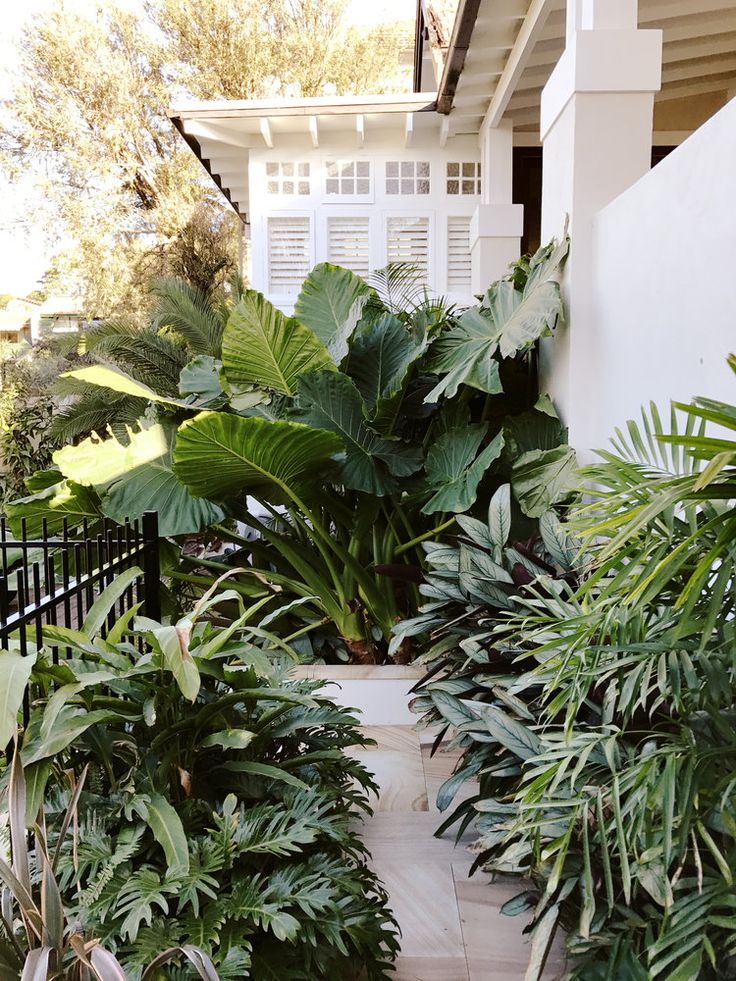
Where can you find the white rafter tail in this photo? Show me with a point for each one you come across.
(360, 130)
(314, 131)
(529, 33)
(444, 130)
(266, 132)
(409, 130)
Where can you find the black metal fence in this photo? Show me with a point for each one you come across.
(56, 578)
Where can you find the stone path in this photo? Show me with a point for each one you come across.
(452, 927)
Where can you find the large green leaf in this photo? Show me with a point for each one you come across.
(117, 380)
(65, 500)
(540, 478)
(380, 359)
(137, 478)
(224, 456)
(15, 672)
(508, 322)
(168, 831)
(263, 347)
(179, 661)
(455, 468)
(330, 303)
(201, 378)
(330, 400)
(465, 356)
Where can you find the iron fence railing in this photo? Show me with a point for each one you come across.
(54, 579)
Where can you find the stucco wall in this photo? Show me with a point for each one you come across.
(664, 287)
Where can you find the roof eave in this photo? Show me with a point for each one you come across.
(462, 32)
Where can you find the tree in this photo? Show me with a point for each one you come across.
(5, 299)
(88, 117)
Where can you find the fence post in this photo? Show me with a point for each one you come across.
(151, 566)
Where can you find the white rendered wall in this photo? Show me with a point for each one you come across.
(438, 206)
(664, 287)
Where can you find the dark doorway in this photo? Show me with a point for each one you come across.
(527, 190)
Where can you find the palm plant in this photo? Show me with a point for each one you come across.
(619, 799)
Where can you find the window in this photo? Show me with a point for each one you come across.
(348, 177)
(289, 253)
(287, 178)
(347, 243)
(458, 255)
(407, 240)
(407, 177)
(463, 178)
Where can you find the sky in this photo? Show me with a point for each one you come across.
(22, 258)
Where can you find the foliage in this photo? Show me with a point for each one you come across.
(38, 938)
(219, 802)
(614, 786)
(26, 415)
(331, 437)
(87, 124)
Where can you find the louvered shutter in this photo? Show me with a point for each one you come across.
(289, 253)
(347, 243)
(408, 241)
(458, 255)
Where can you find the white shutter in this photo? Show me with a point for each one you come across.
(347, 243)
(289, 253)
(408, 241)
(458, 255)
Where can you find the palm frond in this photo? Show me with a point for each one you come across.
(191, 314)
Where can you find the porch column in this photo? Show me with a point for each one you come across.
(497, 225)
(596, 128)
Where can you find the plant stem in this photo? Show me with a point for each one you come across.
(427, 534)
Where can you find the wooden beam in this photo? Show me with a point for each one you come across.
(529, 33)
(360, 130)
(409, 130)
(462, 31)
(265, 127)
(257, 109)
(314, 131)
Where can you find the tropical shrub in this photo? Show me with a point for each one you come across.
(39, 941)
(219, 800)
(622, 804)
(341, 438)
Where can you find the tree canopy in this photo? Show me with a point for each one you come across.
(122, 196)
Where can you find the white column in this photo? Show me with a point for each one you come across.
(497, 225)
(596, 128)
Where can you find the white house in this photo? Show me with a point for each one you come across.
(538, 112)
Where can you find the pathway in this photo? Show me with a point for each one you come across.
(452, 927)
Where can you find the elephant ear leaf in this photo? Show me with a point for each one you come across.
(56, 503)
(331, 304)
(225, 456)
(137, 478)
(540, 478)
(330, 400)
(380, 359)
(263, 347)
(455, 468)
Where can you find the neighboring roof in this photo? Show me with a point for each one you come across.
(222, 134)
(515, 44)
(61, 306)
(13, 321)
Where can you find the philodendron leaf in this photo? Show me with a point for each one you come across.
(201, 378)
(64, 501)
(137, 478)
(330, 303)
(455, 468)
(263, 347)
(230, 739)
(15, 673)
(540, 478)
(330, 400)
(178, 660)
(380, 359)
(224, 456)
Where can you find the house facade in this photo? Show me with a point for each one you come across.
(529, 116)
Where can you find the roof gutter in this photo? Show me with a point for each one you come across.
(462, 31)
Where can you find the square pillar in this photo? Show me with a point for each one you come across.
(596, 128)
(498, 224)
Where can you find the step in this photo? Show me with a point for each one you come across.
(381, 693)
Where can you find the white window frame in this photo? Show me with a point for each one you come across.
(430, 214)
(286, 299)
(356, 199)
(348, 213)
